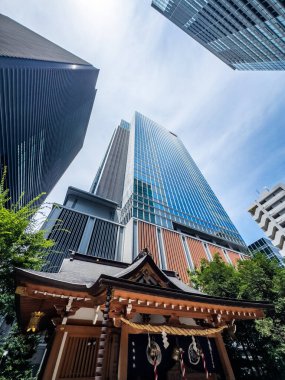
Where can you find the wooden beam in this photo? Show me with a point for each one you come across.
(59, 357)
(49, 369)
(150, 300)
(82, 330)
(54, 360)
(224, 358)
(37, 290)
(184, 311)
(123, 356)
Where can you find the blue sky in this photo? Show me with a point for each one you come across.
(232, 123)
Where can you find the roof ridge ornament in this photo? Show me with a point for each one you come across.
(144, 252)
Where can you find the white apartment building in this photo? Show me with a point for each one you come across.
(269, 212)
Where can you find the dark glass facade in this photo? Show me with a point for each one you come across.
(245, 34)
(46, 98)
(265, 246)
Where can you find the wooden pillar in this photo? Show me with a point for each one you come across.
(224, 358)
(103, 336)
(111, 366)
(55, 356)
(123, 356)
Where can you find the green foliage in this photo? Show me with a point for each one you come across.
(20, 348)
(257, 277)
(23, 246)
(216, 279)
(259, 349)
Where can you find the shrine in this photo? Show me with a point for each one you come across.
(116, 321)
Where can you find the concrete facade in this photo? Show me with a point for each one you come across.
(268, 211)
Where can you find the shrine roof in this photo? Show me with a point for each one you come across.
(141, 285)
(81, 271)
(92, 274)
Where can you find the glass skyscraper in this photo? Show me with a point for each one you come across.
(164, 186)
(245, 34)
(46, 98)
(265, 246)
(147, 193)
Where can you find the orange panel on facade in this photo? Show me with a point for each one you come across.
(214, 249)
(197, 251)
(147, 239)
(175, 255)
(235, 257)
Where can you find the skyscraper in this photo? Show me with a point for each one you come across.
(148, 193)
(265, 246)
(269, 213)
(245, 34)
(46, 98)
(164, 186)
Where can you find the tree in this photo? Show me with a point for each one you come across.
(216, 278)
(23, 246)
(259, 349)
(19, 349)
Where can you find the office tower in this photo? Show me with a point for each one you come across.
(246, 35)
(148, 193)
(46, 98)
(167, 205)
(164, 186)
(265, 246)
(269, 213)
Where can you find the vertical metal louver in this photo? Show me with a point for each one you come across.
(67, 233)
(109, 181)
(46, 98)
(103, 240)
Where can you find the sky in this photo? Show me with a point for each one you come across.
(231, 122)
